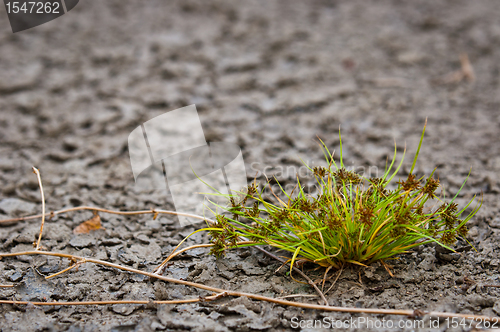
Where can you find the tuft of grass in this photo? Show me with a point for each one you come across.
(351, 219)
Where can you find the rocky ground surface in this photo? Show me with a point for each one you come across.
(270, 76)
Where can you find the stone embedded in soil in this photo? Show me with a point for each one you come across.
(28, 234)
(198, 252)
(23, 78)
(215, 315)
(143, 238)
(177, 272)
(57, 231)
(370, 273)
(15, 207)
(7, 165)
(34, 288)
(255, 306)
(495, 222)
(153, 224)
(496, 307)
(126, 257)
(157, 326)
(165, 221)
(251, 268)
(34, 319)
(449, 257)
(23, 247)
(111, 241)
(207, 269)
(15, 277)
(124, 309)
(429, 259)
(473, 233)
(482, 301)
(52, 265)
(251, 319)
(150, 252)
(184, 320)
(82, 241)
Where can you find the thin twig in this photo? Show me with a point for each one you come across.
(208, 298)
(6, 286)
(174, 253)
(411, 313)
(324, 277)
(297, 295)
(37, 172)
(98, 209)
(387, 268)
(65, 270)
(335, 281)
(465, 72)
(159, 269)
(466, 67)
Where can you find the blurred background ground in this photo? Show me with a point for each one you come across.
(270, 76)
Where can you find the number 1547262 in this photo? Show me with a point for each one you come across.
(32, 7)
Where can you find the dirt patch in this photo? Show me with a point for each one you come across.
(269, 76)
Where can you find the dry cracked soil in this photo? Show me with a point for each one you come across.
(270, 76)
